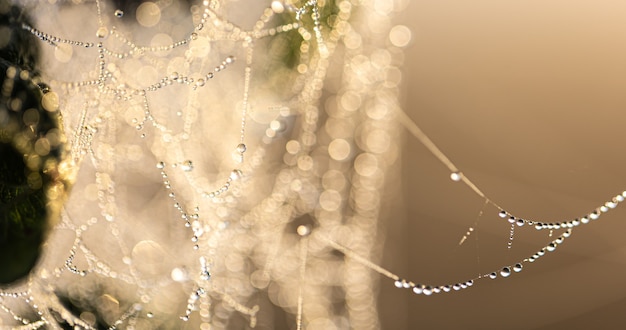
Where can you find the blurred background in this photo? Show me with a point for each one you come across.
(525, 98)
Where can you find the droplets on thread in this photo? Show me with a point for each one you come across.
(594, 215)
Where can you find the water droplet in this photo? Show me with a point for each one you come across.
(303, 230)
(427, 290)
(502, 214)
(517, 268)
(185, 318)
(241, 148)
(398, 284)
(150, 315)
(512, 219)
(187, 166)
(493, 275)
(456, 176)
(119, 13)
(277, 7)
(505, 272)
(102, 32)
(520, 222)
(235, 174)
(551, 247)
(160, 165)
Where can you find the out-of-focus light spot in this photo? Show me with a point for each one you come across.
(305, 163)
(352, 40)
(276, 125)
(178, 275)
(63, 53)
(303, 230)
(377, 141)
(384, 7)
(148, 256)
(293, 147)
(330, 200)
(366, 164)
(339, 149)
(400, 36)
(339, 128)
(350, 101)
(50, 101)
(377, 112)
(278, 7)
(333, 179)
(148, 14)
(394, 76)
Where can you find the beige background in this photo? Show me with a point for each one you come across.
(528, 99)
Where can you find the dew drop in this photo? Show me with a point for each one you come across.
(505, 272)
(241, 148)
(235, 174)
(456, 176)
(493, 275)
(427, 291)
(187, 166)
(160, 165)
(502, 214)
(102, 32)
(119, 13)
(303, 230)
(517, 268)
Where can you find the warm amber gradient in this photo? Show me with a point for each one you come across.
(527, 99)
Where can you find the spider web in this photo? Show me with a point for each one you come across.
(221, 168)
